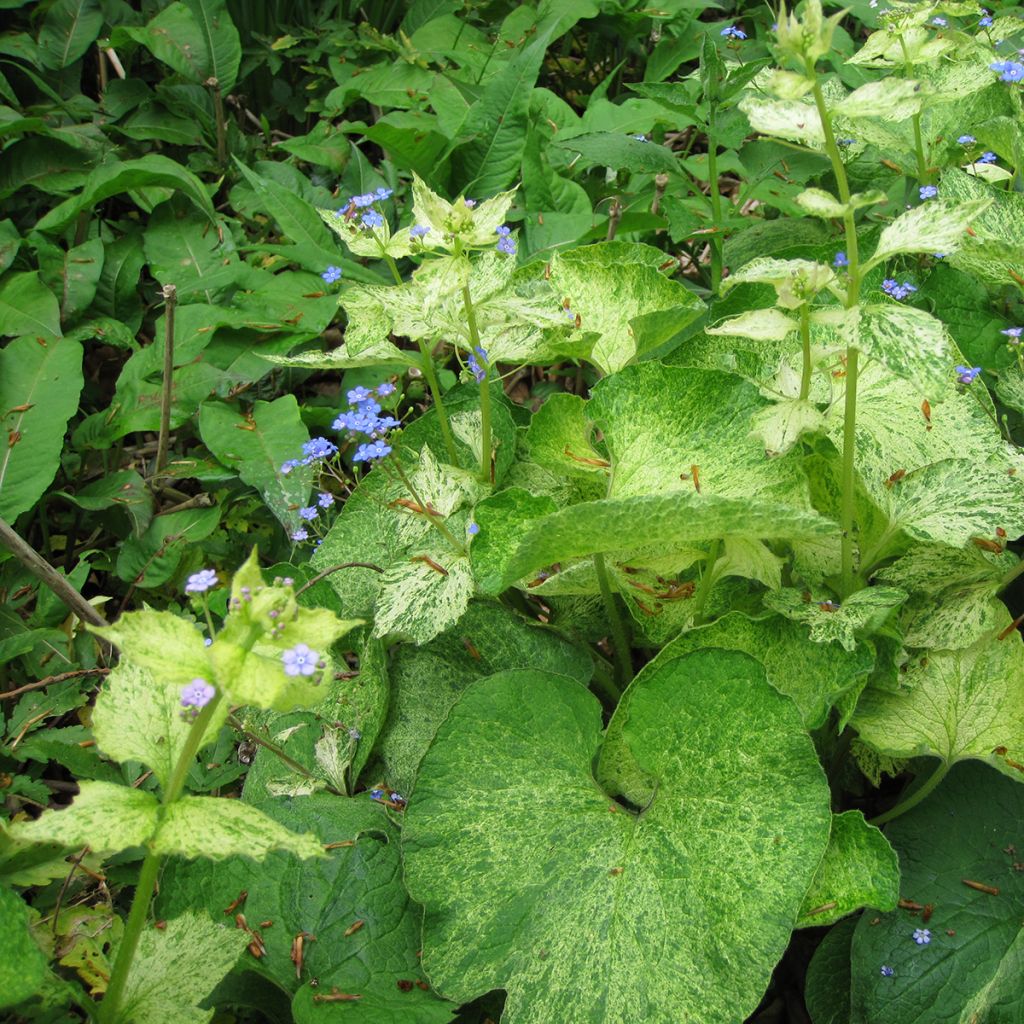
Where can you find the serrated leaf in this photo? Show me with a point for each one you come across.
(833, 622)
(859, 869)
(953, 705)
(972, 965)
(612, 880)
(931, 227)
(40, 384)
(103, 816)
(177, 967)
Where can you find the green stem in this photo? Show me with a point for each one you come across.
(805, 341)
(434, 520)
(1010, 576)
(623, 667)
(915, 798)
(716, 212)
(922, 164)
(111, 1005)
(485, 390)
(700, 599)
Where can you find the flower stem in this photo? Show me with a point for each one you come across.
(915, 798)
(805, 341)
(111, 1005)
(700, 599)
(620, 640)
(485, 390)
(716, 211)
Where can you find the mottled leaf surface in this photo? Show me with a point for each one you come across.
(835, 622)
(583, 910)
(827, 982)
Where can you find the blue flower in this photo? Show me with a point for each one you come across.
(331, 274)
(1014, 334)
(202, 581)
(506, 244)
(922, 936)
(731, 32)
(1009, 70)
(309, 514)
(376, 794)
(939, 22)
(300, 534)
(967, 140)
(359, 394)
(354, 734)
(385, 389)
(898, 291)
(371, 452)
(640, 138)
(383, 193)
(887, 971)
(316, 449)
(288, 466)
(928, 191)
(372, 219)
(418, 230)
(845, 142)
(967, 374)
(988, 157)
(325, 500)
(985, 22)
(473, 529)
(197, 694)
(478, 370)
(300, 660)
(840, 260)
(470, 203)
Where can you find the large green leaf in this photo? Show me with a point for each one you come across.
(621, 295)
(859, 869)
(28, 307)
(971, 969)
(583, 910)
(933, 227)
(360, 881)
(827, 982)
(153, 558)
(23, 965)
(953, 705)
(68, 30)
(72, 274)
(40, 383)
(256, 445)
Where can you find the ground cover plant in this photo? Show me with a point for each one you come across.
(511, 512)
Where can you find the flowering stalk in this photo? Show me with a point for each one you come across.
(144, 888)
(922, 165)
(805, 342)
(485, 392)
(846, 509)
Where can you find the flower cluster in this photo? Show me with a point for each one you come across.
(1009, 70)
(389, 798)
(898, 291)
(506, 244)
(732, 32)
(967, 374)
(928, 191)
(369, 218)
(985, 20)
(195, 696)
(364, 418)
(967, 140)
(478, 369)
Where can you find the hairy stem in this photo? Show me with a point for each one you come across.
(716, 211)
(620, 640)
(170, 293)
(805, 342)
(485, 389)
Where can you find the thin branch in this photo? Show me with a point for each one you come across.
(170, 294)
(334, 568)
(50, 680)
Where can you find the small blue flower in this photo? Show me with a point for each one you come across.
(372, 219)
(732, 32)
(382, 193)
(318, 448)
(1009, 70)
(967, 140)
(309, 514)
(985, 22)
(371, 452)
(928, 191)
(300, 660)
(197, 694)
(470, 203)
(922, 936)
(376, 794)
(418, 230)
(354, 734)
(988, 157)
(940, 22)
(507, 245)
(200, 582)
(967, 374)
(288, 466)
(840, 260)
(331, 274)
(325, 500)
(887, 971)
(845, 142)
(300, 534)
(938, 255)
(473, 529)
(639, 137)
(385, 389)
(478, 369)
(898, 291)
(1014, 334)
(359, 394)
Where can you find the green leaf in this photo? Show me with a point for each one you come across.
(206, 826)
(827, 983)
(40, 383)
(622, 296)
(953, 705)
(892, 99)
(426, 681)
(177, 967)
(784, 119)
(256, 445)
(560, 438)
(152, 559)
(138, 718)
(781, 425)
(69, 29)
(859, 869)
(74, 275)
(150, 171)
(831, 622)
(758, 324)
(197, 38)
(27, 306)
(357, 882)
(554, 899)
(104, 816)
(931, 227)
(621, 152)
(502, 518)
(971, 968)
(23, 965)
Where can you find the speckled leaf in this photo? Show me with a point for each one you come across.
(784, 119)
(781, 425)
(827, 983)
(581, 914)
(931, 227)
(426, 681)
(831, 622)
(177, 967)
(758, 324)
(661, 524)
(893, 99)
(661, 421)
(22, 966)
(953, 705)
(971, 969)
(502, 518)
(104, 816)
(324, 897)
(623, 298)
(417, 601)
(859, 869)
(138, 718)
(560, 438)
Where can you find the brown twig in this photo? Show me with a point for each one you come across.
(50, 680)
(170, 293)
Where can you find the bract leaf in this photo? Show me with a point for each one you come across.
(784, 119)
(894, 99)
(931, 227)
(553, 893)
(760, 324)
(860, 613)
